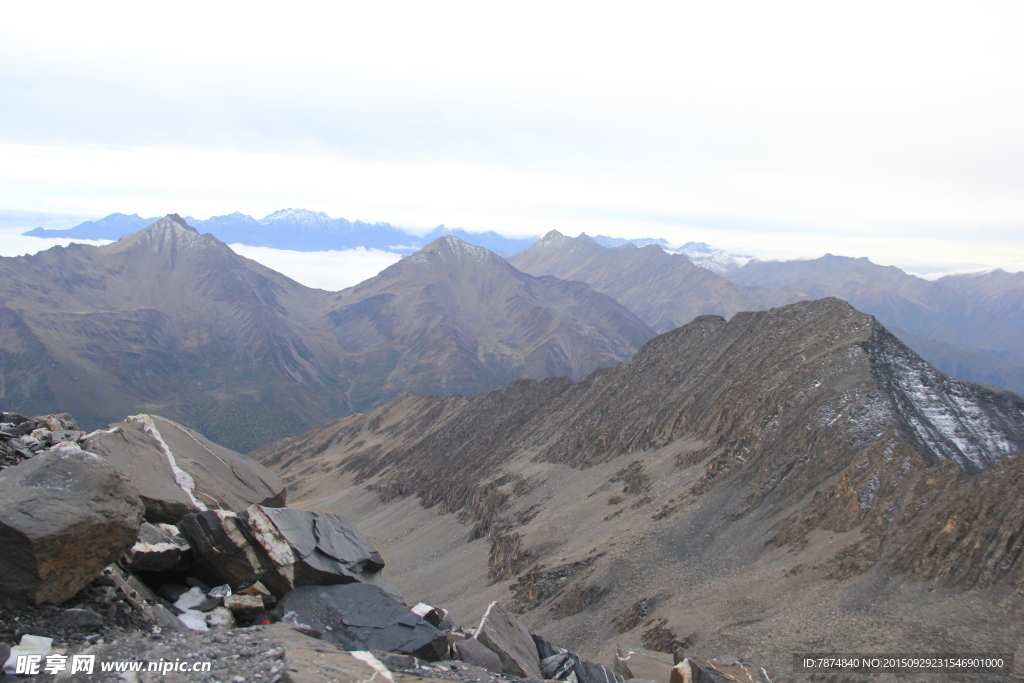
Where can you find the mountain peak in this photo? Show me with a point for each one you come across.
(452, 248)
(301, 216)
(170, 233)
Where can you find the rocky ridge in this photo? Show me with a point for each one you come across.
(804, 445)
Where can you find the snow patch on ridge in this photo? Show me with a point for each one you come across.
(948, 418)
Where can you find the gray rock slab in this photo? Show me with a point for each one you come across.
(65, 515)
(474, 652)
(360, 616)
(312, 548)
(178, 471)
(508, 638)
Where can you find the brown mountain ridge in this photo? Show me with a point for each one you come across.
(790, 480)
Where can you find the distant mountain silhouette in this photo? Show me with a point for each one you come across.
(295, 229)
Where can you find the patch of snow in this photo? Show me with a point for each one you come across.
(719, 262)
(951, 419)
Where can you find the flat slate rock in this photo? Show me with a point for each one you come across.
(360, 616)
(65, 515)
(312, 548)
(178, 471)
(508, 638)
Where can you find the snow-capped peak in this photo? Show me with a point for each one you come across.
(301, 216)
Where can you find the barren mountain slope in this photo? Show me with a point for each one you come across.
(166, 320)
(738, 489)
(456, 318)
(173, 322)
(664, 290)
(998, 292)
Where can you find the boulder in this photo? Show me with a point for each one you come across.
(220, 617)
(158, 548)
(506, 636)
(64, 516)
(474, 652)
(312, 549)
(244, 607)
(222, 543)
(361, 616)
(283, 548)
(178, 471)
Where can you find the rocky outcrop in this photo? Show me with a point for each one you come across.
(22, 437)
(178, 471)
(508, 638)
(64, 516)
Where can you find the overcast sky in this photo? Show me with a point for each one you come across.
(891, 130)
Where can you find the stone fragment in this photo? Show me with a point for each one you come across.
(62, 421)
(64, 516)
(506, 636)
(158, 548)
(561, 667)
(432, 615)
(476, 653)
(589, 672)
(244, 607)
(219, 591)
(28, 645)
(81, 618)
(259, 590)
(361, 616)
(621, 663)
(220, 618)
(208, 605)
(178, 471)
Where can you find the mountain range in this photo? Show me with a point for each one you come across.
(795, 480)
(170, 321)
(969, 326)
(192, 330)
(295, 229)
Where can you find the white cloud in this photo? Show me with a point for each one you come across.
(330, 270)
(890, 126)
(13, 243)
